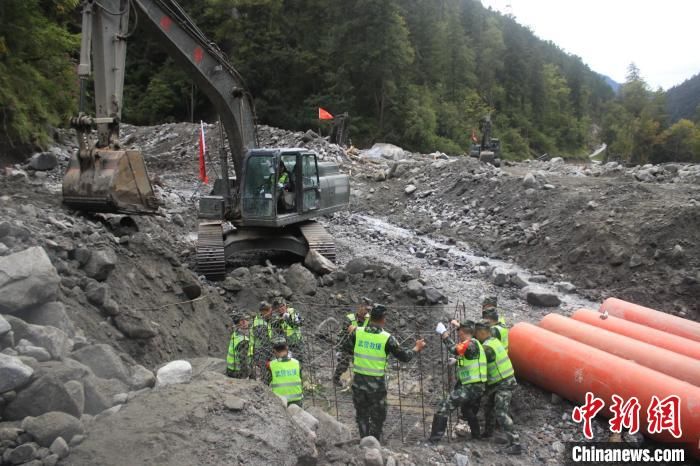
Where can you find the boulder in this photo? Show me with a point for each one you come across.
(103, 360)
(357, 265)
(301, 280)
(565, 287)
(539, 296)
(101, 264)
(134, 325)
(529, 181)
(461, 460)
(49, 426)
(99, 393)
(55, 341)
(13, 373)
(4, 326)
(499, 277)
(370, 442)
(410, 189)
(517, 280)
(77, 392)
(23, 454)
(141, 378)
(52, 314)
(306, 421)
(386, 151)
(434, 296)
(373, 457)
(27, 278)
(415, 288)
(330, 430)
(47, 393)
(43, 161)
(201, 365)
(316, 262)
(176, 372)
(65, 370)
(59, 447)
(25, 348)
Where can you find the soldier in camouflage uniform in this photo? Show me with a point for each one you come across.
(352, 321)
(260, 338)
(371, 346)
(500, 385)
(471, 375)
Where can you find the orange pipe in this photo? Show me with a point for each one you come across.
(640, 332)
(662, 360)
(571, 369)
(652, 318)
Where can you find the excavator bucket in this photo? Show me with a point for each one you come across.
(117, 181)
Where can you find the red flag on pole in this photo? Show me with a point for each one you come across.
(324, 114)
(474, 138)
(202, 150)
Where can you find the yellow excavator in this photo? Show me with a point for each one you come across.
(249, 211)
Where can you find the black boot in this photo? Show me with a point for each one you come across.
(438, 429)
(474, 426)
(363, 428)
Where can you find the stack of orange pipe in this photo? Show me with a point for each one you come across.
(640, 353)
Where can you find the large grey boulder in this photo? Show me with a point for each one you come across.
(434, 296)
(318, 263)
(415, 288)
(175, 372)
(383, 150)
(357, 265)
(539, 296)
(99, 393)
(134, 325)
(43, 161)
(103, 360)
(55, 341)
(27, 278)
(47, 393)
(49, 426)
(13, 373)
(52, 314)
(301, 280)
(142, 378)
(529, 181)
(330, 430)
(101, 264)
(77, 392)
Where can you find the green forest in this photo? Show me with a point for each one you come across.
(416, 73)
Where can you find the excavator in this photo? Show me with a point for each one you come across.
(252, 210)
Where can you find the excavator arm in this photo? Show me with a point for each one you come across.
(104, 178)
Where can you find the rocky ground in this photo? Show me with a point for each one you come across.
(93, 306)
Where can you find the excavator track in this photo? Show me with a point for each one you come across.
(318, 239)
(211, 259)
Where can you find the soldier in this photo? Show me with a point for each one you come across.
(289, 323)
(500, 383)
(260, 338)
(497, 323)
(371, 346)
(285, 373)
(353, 320)
(237, 358)
(471, 375)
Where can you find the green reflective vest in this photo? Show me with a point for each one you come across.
(233, 362)
(501, 368)
(292, 333)
(503, 331)
(257, 322)
(353, 320)
(283, 179)
(370, 352)
(472, 370)
(286, 379)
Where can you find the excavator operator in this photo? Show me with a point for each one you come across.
(285, 198)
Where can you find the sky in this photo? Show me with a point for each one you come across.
(661, 38)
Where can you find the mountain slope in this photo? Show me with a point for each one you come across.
(682, 101)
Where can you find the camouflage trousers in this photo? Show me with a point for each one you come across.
(370, 411)
(497, 407)
(343, 364)
(468, 395)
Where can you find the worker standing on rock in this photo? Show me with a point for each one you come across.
(471, 375)
(371, 346)
(489, 312)
(237, 364)
(353, 320)
(260, 339)
(500, 384)
(289, 323)
(285, 373)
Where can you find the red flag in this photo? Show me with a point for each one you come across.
(474, 138)
(202, 150)
(324, 114)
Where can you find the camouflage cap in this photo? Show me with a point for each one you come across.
(490, 313)
(378, 311)
(490, 301)
(279, 343)
(482, 326)
(467, 325)
(264, 305)
(237, 317)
